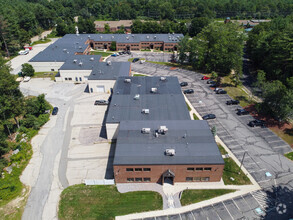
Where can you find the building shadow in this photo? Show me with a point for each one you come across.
(109, 169)
(279, 204)
(103, 131)
(87, 90)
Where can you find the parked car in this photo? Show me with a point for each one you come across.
(188, 91)
(205, 78)
(221, 91)
(209, 116)
(214, 85)
(135, 60)
(242, 112)
(120, 53)
(23, 52)
(26, 79)
(101, 102)
(28, 47)
(142, 61)
(232, 102)
(183, 84)
(55, 111)
(114, 55)
(216, 89)
(257, 123)
(211, 81)
(128, 52)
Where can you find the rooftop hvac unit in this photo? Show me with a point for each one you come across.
(89, 36)
(132, 35)
(155, 37)
(145, 111)
(101, 37)
(136, 97)
(127, 80)
(80, 47)
(162, 130)
(154, 90)
(74, 61)
(92, 59)
(109, 63)
(64, 50)
(80, 63)
(170, 152)
(145, 130)
(163, 78)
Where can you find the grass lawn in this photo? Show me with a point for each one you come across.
(131, 59)
(189, 108)
(222, 149)
(191, 196)
(41, 42)
(139, 74)
(45, 75)
(102, 53)
(289, 155)
(286, 134)
(104, 202)
(195, 117)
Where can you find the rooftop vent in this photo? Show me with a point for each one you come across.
(80, 47)
(132, 35)
(155, 37)
(148, 37)
(170, 152)
(127, 38)
(74, 61)
(127, 80)
(101, 36)
(109, 63)
(92, 59)
(163, 78)
(154, 90)
(145, 130)
(145, 111)
(89, 36)
(64, 50)
(136, 97)
(162, 130)
(112, 37)
(80, 63)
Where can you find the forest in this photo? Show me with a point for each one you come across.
(22, 19)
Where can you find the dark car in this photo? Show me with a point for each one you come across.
(209, 116)
(188, 91)
(128, 52)
(242, 112)
(232, 102)
(257, 123)
(211, 81)
(55, 111)
(221, 91)
(120, 53)
(214, 85)
(135, 60)
(183, 84)
(101, 102)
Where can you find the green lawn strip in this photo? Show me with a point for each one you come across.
(222, 149)
(104, 202)
(189, 108)
(289, 155)
(195, 117)
(101, 53)
(136, 74)
(191, 196)
(45, 75)
(236, 93)
(131, 59)
(47, 40)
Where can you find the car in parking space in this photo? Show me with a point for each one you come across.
(23, 52)
(142, 61)
(183, 84)
(232, 102)
(135, 60)
(221, 91)
(114, 55)
(188, 91)
(209, 116)
(120, 53)
(214, 85)
(128, 52)
(205, 78)
(55, 111)
(257, 123)
(211, 81)
(241, 111)
(26, 79)
(101, 102)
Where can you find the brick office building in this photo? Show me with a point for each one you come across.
(166, 151)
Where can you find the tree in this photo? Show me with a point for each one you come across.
(27, 70)
(197, 24)
(113, 46)
(183, 48)
(107, 29)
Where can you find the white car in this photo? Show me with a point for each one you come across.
(23, 52)
(26, 79)
(142, 61)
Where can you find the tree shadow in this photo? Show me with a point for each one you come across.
(279, 203)
(241, 98)
(289, 131)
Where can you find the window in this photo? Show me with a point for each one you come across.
(190, 169)
(80, 79)
(138, 169)
(199, 169)
(208, 168)
(138, 179)
(147, 179)
(70, 78)
(189, 179)
(130, 179)
(76, 78)
(205, 179)
(147, 169)
(52, 70)
(66, 78)
(196, 179)
(129, 169)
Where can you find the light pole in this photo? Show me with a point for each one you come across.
(242, 162)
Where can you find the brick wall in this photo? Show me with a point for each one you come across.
(194, 173)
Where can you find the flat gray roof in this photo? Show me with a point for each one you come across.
(103, 71)
(167, 104)
(192, 141)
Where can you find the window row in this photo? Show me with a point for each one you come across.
(135, 45)
(197, 179)
(138, 169)
(199, 169)
(68, 78)
(145, 179)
